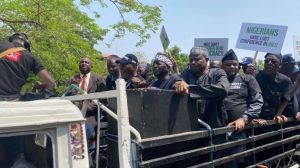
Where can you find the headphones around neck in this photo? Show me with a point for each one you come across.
(21, 36)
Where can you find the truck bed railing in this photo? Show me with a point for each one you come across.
(203, 148)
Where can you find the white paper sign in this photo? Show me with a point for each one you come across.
(261, 37)
(216, 47)
(296, 42)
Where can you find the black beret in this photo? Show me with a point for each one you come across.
(229, 55)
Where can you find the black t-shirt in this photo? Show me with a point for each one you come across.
(242, 92)
(209, 90)
(15, 68)
(273, 91)
(167, 83)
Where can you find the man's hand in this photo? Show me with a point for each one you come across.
(239, 124)
(250, 69)
(261, 166)
(280, 119)
(138, 82)
(261, 122)
(298, 116)
(37, 86)
(182, 87)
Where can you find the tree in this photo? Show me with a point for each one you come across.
(260, 64)
(142, 56)
(61, 34)
(182, 59)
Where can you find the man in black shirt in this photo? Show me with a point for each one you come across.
(128, 67)
(162, 67)
(244, 100)
(275, 89)
(287, 69)
(208, 86)
(16, 65)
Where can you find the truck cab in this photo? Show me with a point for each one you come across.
(43, 133)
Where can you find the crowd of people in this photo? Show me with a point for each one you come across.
(229, 92)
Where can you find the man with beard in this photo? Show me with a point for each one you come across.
(128, 66)
(208, 86)
(244, 100)
(113, 70)
(275, 89)
(162, 69)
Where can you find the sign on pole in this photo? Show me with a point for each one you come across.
(216, 47)
(164, 38)
(261, 37)
(296, 40)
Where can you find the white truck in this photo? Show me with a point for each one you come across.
(42, 134)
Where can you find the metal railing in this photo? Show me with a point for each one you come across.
(126, 149)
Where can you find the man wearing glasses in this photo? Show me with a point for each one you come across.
(275, 89)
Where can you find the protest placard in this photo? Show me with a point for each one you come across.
(216, 47)
(296, 42)
(164, 38)
(261, 37)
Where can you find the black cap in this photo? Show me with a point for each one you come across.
(288, 59)
(23, 37)
(246, 61)
(128, 59)
(229, 55)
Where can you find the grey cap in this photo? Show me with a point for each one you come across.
(199, 51)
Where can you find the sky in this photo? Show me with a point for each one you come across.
(186, 20)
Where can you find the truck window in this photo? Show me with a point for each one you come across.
(22, 150)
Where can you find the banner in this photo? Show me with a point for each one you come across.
(216, 47)
(296, 42)
(261, 37)
(164, 38)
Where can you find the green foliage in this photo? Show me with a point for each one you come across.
(182, 59)
(149, 18)
(260, 64)
(61, 34)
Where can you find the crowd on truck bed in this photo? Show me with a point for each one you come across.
(230, 92)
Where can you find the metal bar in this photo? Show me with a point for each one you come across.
(192, 153)
(98, 135)
(124, 142)
(174, 138)
(177, 157)
(223, 130)
(246, 153)
(170, 139)
(97, 95)
(273, 158)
